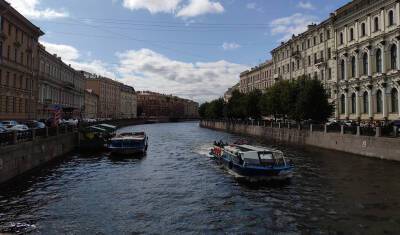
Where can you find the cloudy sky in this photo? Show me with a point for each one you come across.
(191, 48)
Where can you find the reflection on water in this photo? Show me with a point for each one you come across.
(176, 188)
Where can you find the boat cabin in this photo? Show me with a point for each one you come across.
(254, 156)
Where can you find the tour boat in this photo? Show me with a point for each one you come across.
(95, 137)
(253, 163)
(129, 143)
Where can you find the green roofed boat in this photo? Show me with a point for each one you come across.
(96, 137)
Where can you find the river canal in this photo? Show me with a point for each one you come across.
(177, 189)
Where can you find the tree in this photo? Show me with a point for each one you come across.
(252, 101)
(235, 108)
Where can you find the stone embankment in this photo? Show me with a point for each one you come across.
(370, 146)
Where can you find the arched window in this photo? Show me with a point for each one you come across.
(342, 69)
(376, 24)
(351, 34)
(378, 61)
(365, 63)
(393, 57)
(342, 104)
(353, 103)
(379, 101)
(353, 67)
(391, 18)
(394, 95)
(365, 102)
(341, 38)
(363, 32)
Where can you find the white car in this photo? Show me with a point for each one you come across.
(19, 127)
(70, 122)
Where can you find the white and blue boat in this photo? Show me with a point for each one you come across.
(129, 143)
(254, 163)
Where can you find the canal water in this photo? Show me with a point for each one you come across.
(177, 189)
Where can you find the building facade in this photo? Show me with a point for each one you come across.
(128, 102)
(18, 64)
(260, 77)
(368, 62)
(152, 104)
(109, 92)
(228, 93)
(59, 84)
(91, 105)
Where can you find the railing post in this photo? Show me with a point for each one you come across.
(47, 132)
(279, 125)
(358, 130)
(272, 124)
(395, 131)
(325, 128)
(288, 125)
(378, 132)
(33, 134)
(311, 127)
(341, 129)
(299, 127)
(15, 137)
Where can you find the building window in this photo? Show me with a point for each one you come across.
(321, 38)
(378, 61)
(309, 60)
(395, 100)
(308, 43)
(315, 58)
(342, 104)
(379, 101)
(391, 18)
(351, 34)
(353, 67)
(321, 56)
(329, 73)
(393, 57)
(341, 38)
(365, 63)
(328, 34)
(376, 24)
(363, 32)
(329, 53)
(365, 102)
(353, 103)
(314, 40)
(342, 69)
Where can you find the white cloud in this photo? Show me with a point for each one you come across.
(200, 7)
(70, 55)
(30, 9)
(147, 70)
(294, 24)
(178, 8)
(153, 6)
(251, 5)
(306, 5)
(230, 46)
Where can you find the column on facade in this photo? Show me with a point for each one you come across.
(398, 13)
(383, 59)
(369, 63)
(345, 35)
(346, 106)
(358, 106)
(398, 99)
(346, 69)
(370, 111)
(356, 34)
(357, 66)
(384, 103)
(398, 52)
(337, 105)
(383, 19)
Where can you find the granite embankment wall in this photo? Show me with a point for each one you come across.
(370, 146)
(20, 158)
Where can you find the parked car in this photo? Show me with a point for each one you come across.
(395, 123)
(33, 124)
(19, 127)
(9, 123)
(70, 122)
(3, 130)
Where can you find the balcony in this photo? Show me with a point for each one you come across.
(296, 54)
(68, 85)
(320, 62)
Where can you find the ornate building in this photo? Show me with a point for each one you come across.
(368, 50)
(59, 84)
(91, 104)
(18, 64)
(128, 102)
(259, 77)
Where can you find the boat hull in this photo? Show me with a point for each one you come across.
(257, 173)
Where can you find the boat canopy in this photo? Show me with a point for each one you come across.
(107, 127)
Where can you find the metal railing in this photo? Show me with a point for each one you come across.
(16, 137)
(385, 131)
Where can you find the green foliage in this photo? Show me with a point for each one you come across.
(302, 99)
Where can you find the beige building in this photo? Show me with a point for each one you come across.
(18, 64)
(368, 62)
(228, 93)
(109, 92)
(260, 77)
(59, 84)
(308, 54)
(91, 104)
(128, 102)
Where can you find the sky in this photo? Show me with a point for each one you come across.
(194, 49)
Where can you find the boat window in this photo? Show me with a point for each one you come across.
(116, 143)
